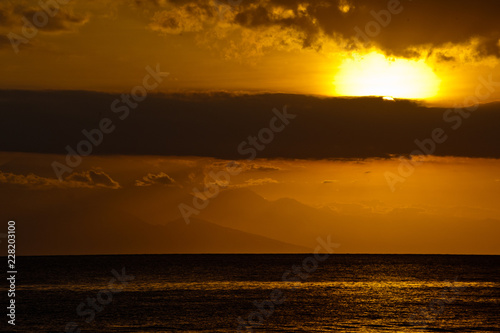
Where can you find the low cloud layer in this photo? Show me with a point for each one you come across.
(155, 179)
(446, 201)
(217, 125)
(83, 179)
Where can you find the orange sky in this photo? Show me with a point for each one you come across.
(252, 46)
(227, 73)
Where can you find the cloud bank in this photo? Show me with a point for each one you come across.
(215, 126)
(401, 28)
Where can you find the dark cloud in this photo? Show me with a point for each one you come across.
(262, 168)
(255, 17)
(29, 180)
(489, 46)
(215, 125)
(62, 20)
(86, 179)
(445, 58)
(412, 28)
(260, 181)
(93, 178)
(424, 23)
(152, 179)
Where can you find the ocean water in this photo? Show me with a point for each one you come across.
(231, 293)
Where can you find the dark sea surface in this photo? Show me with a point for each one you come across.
(208, 293)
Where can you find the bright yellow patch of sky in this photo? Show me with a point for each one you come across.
(376, 75)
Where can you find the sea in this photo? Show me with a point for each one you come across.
(256, 293)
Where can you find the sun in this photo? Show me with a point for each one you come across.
(374, 74)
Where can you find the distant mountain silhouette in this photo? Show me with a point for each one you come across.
(401, 231)
(95, 230)
(83, 221)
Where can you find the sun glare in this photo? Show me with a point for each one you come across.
(375, 75)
